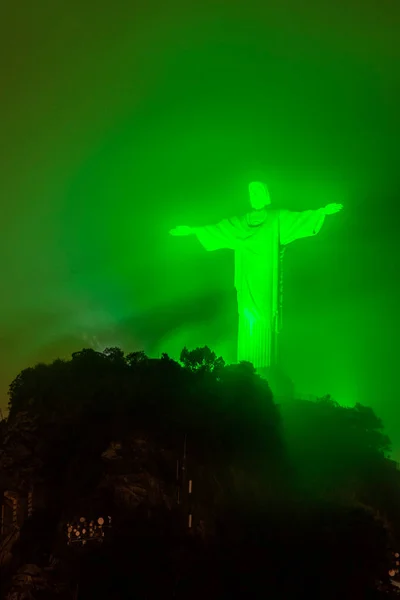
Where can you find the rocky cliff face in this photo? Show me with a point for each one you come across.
(139, 481)
(138, 472)
(20, 453)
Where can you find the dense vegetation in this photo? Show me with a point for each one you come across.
(290, 501)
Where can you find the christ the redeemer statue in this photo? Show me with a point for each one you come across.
(257, 238)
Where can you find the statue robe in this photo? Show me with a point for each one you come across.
(257, 248)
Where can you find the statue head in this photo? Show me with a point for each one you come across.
(259, 195)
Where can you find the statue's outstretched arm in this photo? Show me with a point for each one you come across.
(331, 209)
(182, 230)
(224, 234)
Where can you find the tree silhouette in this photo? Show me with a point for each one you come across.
(275, 488)
(201, 359)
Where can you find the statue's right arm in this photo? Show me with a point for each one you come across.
(182, 230)
(223, 234)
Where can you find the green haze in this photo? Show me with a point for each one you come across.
(122, 121)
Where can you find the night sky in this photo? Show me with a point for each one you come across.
(121, 120)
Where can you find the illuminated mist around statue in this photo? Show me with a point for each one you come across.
(258, 239)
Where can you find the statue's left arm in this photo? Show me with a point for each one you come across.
(296, 225)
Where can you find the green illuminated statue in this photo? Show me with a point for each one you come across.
(257, 239)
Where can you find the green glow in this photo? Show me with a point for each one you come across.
(256, 239)
(122, 120)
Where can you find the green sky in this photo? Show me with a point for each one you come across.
(121, 120)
